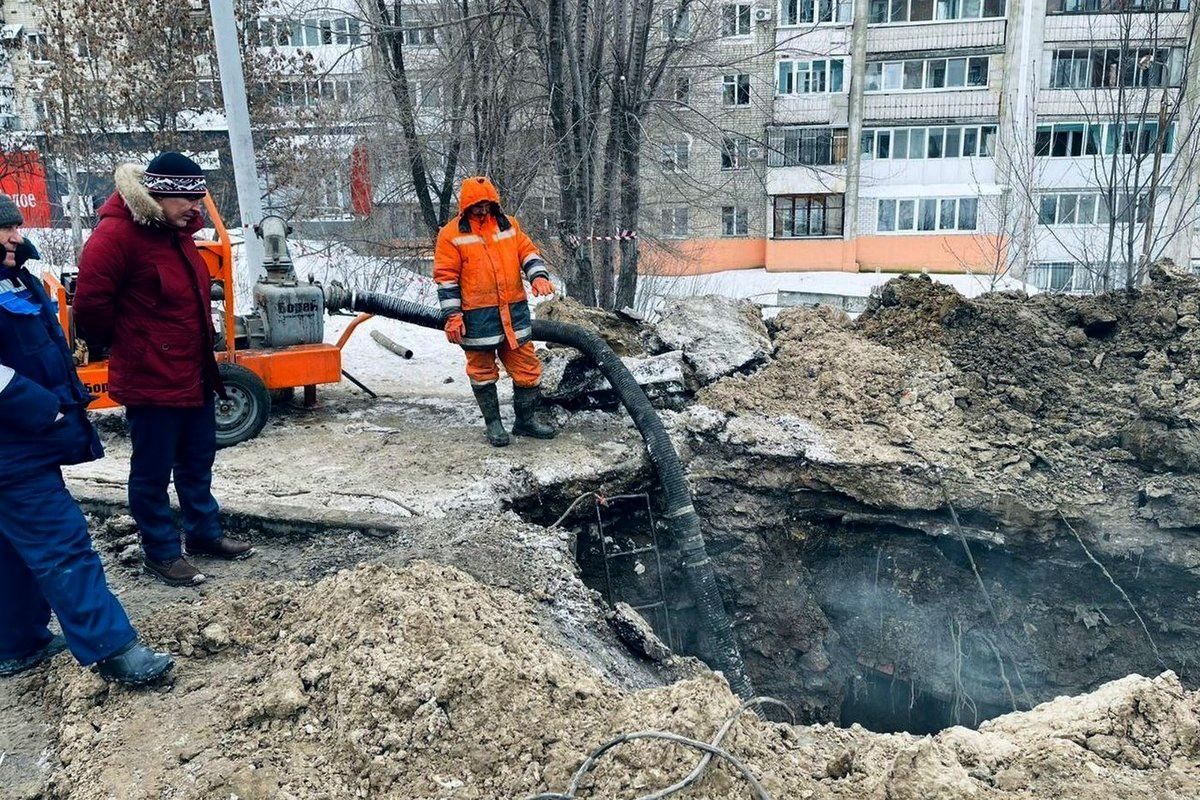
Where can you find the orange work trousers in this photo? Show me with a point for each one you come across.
(522, 365)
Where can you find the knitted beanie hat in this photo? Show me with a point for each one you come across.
(9, 213)
(174, 175)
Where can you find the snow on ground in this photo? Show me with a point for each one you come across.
(437, 368)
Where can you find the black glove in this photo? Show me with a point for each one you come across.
(25, 251)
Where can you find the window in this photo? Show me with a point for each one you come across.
(808, 215)
(675, 155)
(1057, 276)
(198, 94)
(279, 33)
(881, 11)
(815, 12)
(427, 92)
(735, 152)
(735, 221)
(1091, 208)
(956, 141)
(312, 93)
(736, 89)
(922, 74)
(735, 19)
(683, 88)
(419, 36)
(1107, 68)
(676, 24)
(818, 76)
(83, 48)
(927, 214)
(1075, 139)
(795, 147)
(674, 223)
(36, 44)
(348, 31)
(41, 110)
(1113, 6)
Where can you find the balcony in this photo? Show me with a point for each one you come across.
(806, 180)
(928, 38)
(1098, 104)
(884, 108)
(1077, 28)
(802, 109)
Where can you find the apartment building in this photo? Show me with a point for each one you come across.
(942, 135)
(883, 135)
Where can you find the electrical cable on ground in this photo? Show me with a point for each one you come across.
(710, 749)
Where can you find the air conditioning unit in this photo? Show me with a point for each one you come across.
(755, 153)
(762, 15)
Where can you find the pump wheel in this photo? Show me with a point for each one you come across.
(243, 415)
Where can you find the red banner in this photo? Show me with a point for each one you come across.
(23, 178)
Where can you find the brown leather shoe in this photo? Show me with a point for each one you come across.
(221, 547)
(176, 572)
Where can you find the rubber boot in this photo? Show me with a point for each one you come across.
(135, 665)
(489, 404)
(15, 666)
(525, 402)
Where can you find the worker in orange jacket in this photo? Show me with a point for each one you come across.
(481, 257)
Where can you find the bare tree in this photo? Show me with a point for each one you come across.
(1134, 82)
(117, 78)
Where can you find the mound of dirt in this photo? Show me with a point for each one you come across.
(422, 682)
(622, 335)
(1050, 399)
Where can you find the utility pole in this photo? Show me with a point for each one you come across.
(237, 118)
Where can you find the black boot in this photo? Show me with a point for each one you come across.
(15, 666)
(489, 404)
(525, 402)
(135, 665)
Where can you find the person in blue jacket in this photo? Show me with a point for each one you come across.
(46, 558)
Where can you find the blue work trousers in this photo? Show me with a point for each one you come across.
(47, 564)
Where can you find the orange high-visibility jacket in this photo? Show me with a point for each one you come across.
(479, 267)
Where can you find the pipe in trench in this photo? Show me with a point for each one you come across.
(718, 641)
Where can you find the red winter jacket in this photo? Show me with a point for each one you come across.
(144, 291)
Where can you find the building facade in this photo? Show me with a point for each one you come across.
(1016, 136)
(1054, 140)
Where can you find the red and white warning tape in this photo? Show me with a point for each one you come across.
(621, 235)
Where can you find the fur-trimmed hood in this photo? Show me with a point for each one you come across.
(144, 209)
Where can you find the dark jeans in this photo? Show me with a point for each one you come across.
(182, 440)
(47, 563)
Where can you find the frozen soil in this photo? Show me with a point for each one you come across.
(403, 633)
(421, 681)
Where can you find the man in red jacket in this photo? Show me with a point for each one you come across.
(144, 291)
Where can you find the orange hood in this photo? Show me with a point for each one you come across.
(475, 190)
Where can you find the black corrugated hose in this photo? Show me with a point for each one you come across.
(720, 644)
